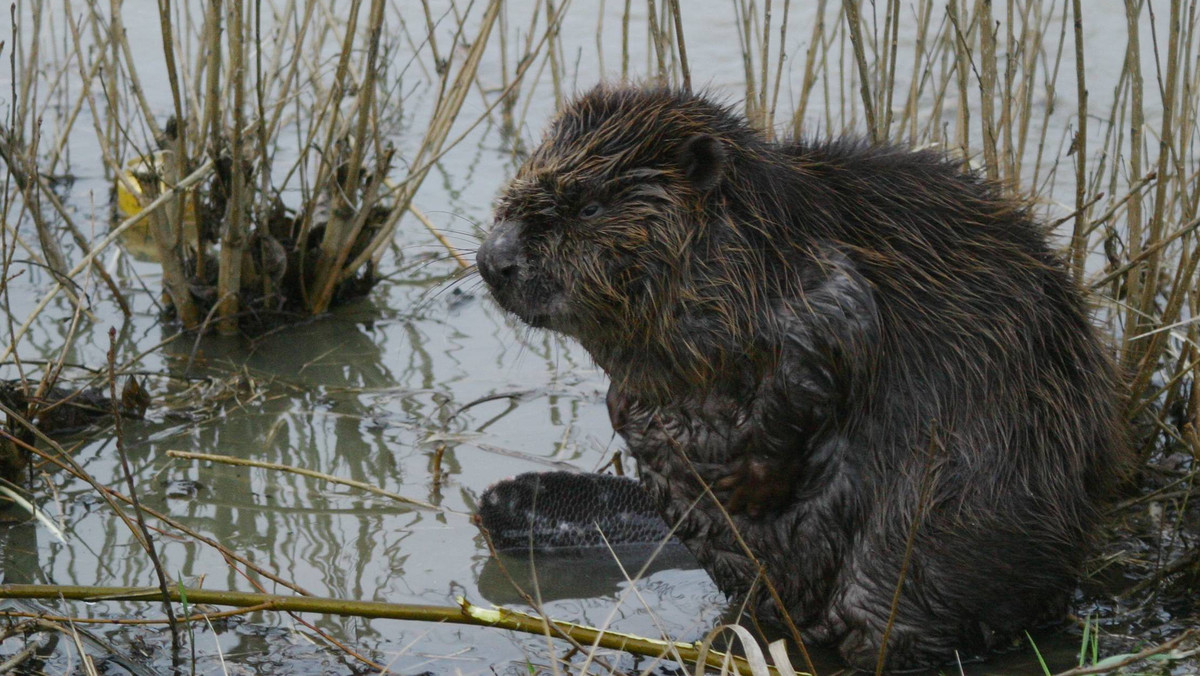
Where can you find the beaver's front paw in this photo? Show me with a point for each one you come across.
(757, 487)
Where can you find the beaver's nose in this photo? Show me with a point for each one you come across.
(499, 256)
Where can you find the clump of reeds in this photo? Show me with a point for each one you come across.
(205, 179)
(246, 254)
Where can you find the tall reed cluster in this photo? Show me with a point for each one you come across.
(262, 101)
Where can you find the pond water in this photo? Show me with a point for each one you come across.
(424, 368)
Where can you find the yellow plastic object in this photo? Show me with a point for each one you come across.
(131, 199)
(130, 192)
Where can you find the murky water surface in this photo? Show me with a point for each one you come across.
(425, 367)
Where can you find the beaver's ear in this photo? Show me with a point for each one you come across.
(702, 159)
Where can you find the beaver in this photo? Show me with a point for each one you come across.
(865, 360)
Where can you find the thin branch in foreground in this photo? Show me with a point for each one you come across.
(464, 613)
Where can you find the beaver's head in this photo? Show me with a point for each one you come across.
(605, 233)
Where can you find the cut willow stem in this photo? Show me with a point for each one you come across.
(463, 613)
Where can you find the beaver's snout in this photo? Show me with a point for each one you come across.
(518, 283)
(499, 258)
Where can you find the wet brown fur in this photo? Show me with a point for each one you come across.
(849, 343)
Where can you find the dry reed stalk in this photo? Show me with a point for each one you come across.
(274, 466)
(140, 519)
(343, 195)
(1144, 355)
(210, 123)
(235, 227)
(654, 36)
(508, 127)
(625, 41)
(463, 613)
(420, 216)
(809, 80)
(1133, 220)
(26, 77)
(553, 52)
(1004, 126)
(1051, 86)
(742, 18)
(938, 77)
(1169, 320)
(290, 79)
(600, 13)
(1115, 206)
(166, 225)
(121, 41)
(684, 69)
(764, 58)
(264, 140)
(846, 78)
(891, 32)
(1133, 263)
(987, 86)
(909, 117)
(854, 24)
(168, 42)
(51, 163)
(1079, 147)
(782, 56)
(1032, 39)
(174, 278)
(962, 129)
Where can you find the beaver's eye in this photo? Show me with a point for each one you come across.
(592, 210)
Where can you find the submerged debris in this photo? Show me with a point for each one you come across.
(56, 411)
(60, 410)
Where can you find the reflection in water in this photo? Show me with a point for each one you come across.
(19, 547)
(590, 573)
